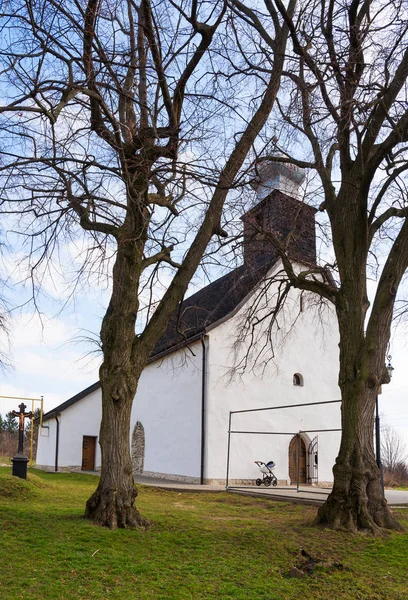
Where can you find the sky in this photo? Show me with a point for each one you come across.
(393, 401)
(47, 359)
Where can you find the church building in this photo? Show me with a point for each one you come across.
(232, 380)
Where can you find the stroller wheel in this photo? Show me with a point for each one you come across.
(275, 482)
(258, 482)
(267, 481)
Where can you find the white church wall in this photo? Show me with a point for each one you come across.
(168, 404)
(285, 424)
(308, 347)
(80, 419)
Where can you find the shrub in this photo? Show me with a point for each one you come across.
(396, 476)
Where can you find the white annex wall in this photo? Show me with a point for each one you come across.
(46, 444)
(310, 348)
(168, 404)
(82, 418)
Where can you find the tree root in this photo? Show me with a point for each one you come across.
(114, 508)
(357, 514)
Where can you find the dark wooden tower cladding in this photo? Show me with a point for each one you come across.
(283, 217)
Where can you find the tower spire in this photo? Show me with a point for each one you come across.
(271, 174)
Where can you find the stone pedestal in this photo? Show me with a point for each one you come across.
(20, 466)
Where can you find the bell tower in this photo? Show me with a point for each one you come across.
(280, 213)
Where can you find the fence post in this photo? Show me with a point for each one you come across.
(228, 451)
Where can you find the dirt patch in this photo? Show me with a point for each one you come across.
(185, 506)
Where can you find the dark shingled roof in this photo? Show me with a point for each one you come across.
(209, 305)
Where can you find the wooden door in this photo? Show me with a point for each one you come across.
(294, 460)
(88, 453)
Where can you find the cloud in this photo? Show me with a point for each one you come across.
(45, 360)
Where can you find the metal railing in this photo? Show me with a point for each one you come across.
(292, 433)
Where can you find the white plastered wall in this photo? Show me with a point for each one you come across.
(308, 347)
(82, 418)
(46, 444)
(168, 404)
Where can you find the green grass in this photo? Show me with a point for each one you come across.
(212, 546)
(5, 460)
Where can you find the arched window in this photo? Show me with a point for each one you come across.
(297, 379)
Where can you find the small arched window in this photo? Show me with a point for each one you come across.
(297, 379)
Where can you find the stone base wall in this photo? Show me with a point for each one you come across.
(170, 477)
(239, 482)
(69, 469)
(323, 484)
(281, 483)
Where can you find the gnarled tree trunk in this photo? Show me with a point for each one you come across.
(356, 501)
(112, 504)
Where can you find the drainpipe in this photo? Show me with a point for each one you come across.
(203, 394)
(56, 443)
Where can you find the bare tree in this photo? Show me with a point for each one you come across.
(4, 333)
(129, 121)
(393, 448)
(5, 363)
(343, 114)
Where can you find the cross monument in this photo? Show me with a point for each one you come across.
(20, 461)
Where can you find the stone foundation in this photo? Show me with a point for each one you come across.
(170, 477)
(187, 479)
(240, 482)
(69, 469)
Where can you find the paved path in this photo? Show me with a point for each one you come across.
(306, 494)
(397, 497)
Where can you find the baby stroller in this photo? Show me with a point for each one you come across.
(268, 477)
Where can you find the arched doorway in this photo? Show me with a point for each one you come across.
(297, 464)
(138, 448)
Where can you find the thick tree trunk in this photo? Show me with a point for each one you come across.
(112, 503)
(356, 501)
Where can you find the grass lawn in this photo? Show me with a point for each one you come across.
(213, 546)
